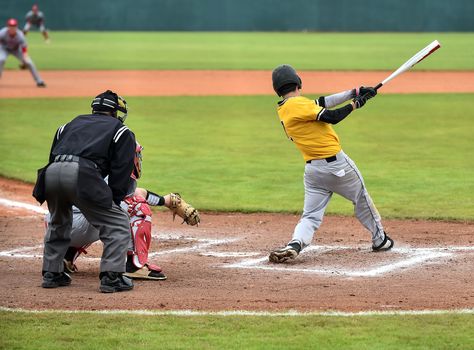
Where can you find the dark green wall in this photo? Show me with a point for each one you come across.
(250, 15)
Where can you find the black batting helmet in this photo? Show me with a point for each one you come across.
(284, 79)
(109, 101)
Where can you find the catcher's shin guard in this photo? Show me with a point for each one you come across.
(140, 227)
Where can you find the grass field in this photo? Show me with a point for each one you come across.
(230, 153)
(74, 331)
(306, 51)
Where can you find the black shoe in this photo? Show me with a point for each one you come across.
(41, 84)
(55, 279)
(111, 282)
(291, 251)
(387, 244)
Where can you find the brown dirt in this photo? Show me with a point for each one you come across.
(200, 279)
(173, 83)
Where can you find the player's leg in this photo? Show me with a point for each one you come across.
(60, 185)
(316, 200)
(138, 265)
(83, 234)
(114, 232)
(3, 58)
(31, 66)
(352, 187)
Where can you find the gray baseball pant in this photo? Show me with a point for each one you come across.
(112, 223)
(321, 180)
(19, 55)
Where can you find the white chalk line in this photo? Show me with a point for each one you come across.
(416, 256)
(14, 204)
(227, 313)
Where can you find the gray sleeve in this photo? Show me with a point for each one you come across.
(336, 99)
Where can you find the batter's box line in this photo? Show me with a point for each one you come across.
(203, 243)
(416, 256)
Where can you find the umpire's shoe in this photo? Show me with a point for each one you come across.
(111, 282)
(291, 251)
(387, 244)
(55, 279)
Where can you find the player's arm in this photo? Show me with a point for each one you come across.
(334, 116)
(152, 198)
(336, 99)
(121, 164)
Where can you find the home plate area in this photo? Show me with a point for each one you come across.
(329, 260)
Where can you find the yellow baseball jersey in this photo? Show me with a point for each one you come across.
(315, 139)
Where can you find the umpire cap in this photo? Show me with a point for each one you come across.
(109, 101)
(284, 79)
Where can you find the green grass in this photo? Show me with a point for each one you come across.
(230, 153)
(74, 331)
(254, 50)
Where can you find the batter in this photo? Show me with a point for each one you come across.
(328, 169)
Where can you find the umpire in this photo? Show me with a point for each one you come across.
(84, 152)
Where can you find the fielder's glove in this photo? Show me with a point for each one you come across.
(184, 210)
(22, 65)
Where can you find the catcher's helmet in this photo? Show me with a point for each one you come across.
(12, 22)
(137, 166)
(284, 79)
(109, 101)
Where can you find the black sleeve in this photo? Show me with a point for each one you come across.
(121, 165)
(334, 116)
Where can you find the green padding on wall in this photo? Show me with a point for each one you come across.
(250, 15)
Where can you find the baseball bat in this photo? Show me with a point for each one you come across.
(418, 57)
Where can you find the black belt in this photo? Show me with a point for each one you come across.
(328, 159)
(66, 158)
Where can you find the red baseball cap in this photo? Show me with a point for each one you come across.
(12, 22)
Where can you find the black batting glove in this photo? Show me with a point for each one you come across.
(359, 101)
(363, 90)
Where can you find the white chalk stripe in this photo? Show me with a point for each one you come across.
(15, 204)
(229, 254)
(290, 313)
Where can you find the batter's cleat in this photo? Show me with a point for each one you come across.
(55, 279)
(41, 84)
(387, 244)
(111, 282)
(291, 251)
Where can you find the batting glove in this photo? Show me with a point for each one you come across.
(360, 100)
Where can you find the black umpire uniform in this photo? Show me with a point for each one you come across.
(83, 153)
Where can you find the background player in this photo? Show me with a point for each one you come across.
(328, 169)
(137, 204)
(35, 18)
(12, 42)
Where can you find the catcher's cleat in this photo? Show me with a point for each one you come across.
(147, 272)
(69, 266)
(291, 251)
(55, 279)
(387, 244)
(111, 282)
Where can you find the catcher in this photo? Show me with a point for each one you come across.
(137, 204)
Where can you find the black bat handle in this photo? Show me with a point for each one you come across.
(379, 85)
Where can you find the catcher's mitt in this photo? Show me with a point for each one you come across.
(179, 207)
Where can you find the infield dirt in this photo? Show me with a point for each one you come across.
(198, 263)
(18, 84)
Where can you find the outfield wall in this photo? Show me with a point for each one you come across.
(250, 15)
